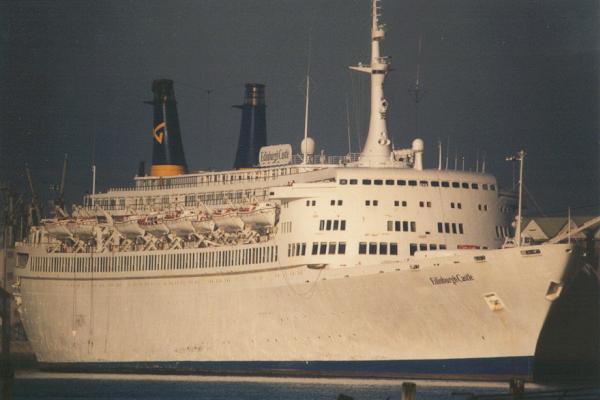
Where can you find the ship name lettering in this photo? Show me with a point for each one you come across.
(452, 279)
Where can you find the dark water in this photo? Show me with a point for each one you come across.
(93, 386)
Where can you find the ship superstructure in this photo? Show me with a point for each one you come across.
(356, 265)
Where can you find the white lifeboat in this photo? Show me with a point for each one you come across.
(228, 220)
(58, 228)
(129, 227)
(259, 215)
(154, 225)
(203, 223)
(180, 224)
(84, 228)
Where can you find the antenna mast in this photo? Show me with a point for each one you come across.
(307, 100)
(376, 150)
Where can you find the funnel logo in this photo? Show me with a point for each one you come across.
(159, 132)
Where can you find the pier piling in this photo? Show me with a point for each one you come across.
(409, 391)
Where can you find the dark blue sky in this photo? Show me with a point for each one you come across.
(498, 76)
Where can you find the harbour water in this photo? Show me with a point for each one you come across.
(55, 386)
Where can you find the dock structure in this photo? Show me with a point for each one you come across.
(6, 370)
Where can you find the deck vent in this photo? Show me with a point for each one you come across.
(493, 301)
(554, 290)
(531, 252)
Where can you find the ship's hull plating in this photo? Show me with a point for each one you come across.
(429, 317)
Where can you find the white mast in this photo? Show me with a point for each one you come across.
(376, 150)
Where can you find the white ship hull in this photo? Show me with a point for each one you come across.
(366, 320)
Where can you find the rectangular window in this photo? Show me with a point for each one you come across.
(378, 182)
(459, 205)
(492, 187)
(339, 202)
(390, 226)
(389, 182)
(421, 204)
(423, 247)
(413, 226)
(342, 248)
(367, 202)
(433, 247)
(328, 226)
(383, 247)
(446, 227)
(442, 247)
(445, 184)
(413, 249)
(331, 248)
(423, 183)
(362, 248)
(460, 228)
(474, 186)
(429, 204)
(451, 205)
(336, 225)
(375, 202)
(315, 248)
(343, 225)
(453, 227)
(366, 181)
(303, 249)
(484, 186)
(412, 183)
(465, 185)
(396, 203)
(405, 226)
(322, 225)
(353, 181)
(323, 248)
(332, 203)
(393, 249)
(343, 181)
(455, 184)
(397, 226)
(372, 248)
(440, 228)
(404, 204)
(435, 183)
(401, 182)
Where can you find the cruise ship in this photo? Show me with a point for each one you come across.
(358, 265)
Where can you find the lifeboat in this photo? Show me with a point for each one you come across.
(259, 215)
(180, 224)
(154, 225)
(228, 220)
(129, 227)
(203, 223)
(84, 228)
(58, 228)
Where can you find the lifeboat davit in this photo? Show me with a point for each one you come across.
(154, 225)
(259, 215)
(129, 227)
(228, 220)
(58, 228)
(203, 223)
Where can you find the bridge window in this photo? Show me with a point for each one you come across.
(378, 182)
(435, 183)
(412, 183)
(445, 184)
(362, 248)
(389, 182)
(372, 248)
(401, 182)
(366, 181)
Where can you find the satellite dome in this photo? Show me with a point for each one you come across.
(307, 146)
(418, 145)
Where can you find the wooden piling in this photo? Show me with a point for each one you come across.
(409, 391)
(516, 387)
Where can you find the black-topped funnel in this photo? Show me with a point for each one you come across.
(253, 129)
(167, 151)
